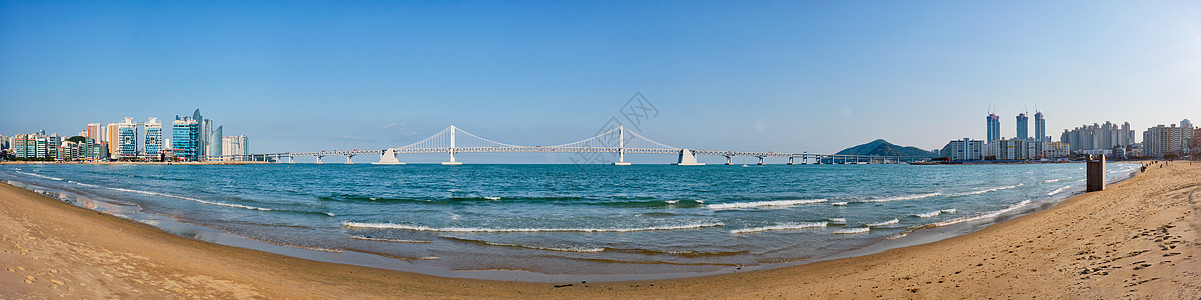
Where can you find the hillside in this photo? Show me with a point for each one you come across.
(884, 148)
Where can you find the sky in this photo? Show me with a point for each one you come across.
(783, 76)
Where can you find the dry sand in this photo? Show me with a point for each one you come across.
(1137, 239)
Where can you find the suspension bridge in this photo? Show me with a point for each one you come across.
(618, 140)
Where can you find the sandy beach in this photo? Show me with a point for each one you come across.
(1137, 239)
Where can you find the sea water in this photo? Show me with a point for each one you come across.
(574, 219)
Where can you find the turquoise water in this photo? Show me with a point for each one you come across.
(574, 219)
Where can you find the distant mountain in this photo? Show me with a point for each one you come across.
(884, 148)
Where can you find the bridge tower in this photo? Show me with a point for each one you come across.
(452, 161)
(621, 146)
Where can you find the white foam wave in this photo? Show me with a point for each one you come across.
(948, 211)
(42, 176)
(492, 198)
(985, 190)
(838, 220)
(784, 226)
(479, 229)
(1056, 180)
(839, 203)
(741, 205)
(852, 230)
(1059, 190)
(889, 222)
(184, 198)
(903, 197)
(928, 215)
(985, 215)
(367, 238)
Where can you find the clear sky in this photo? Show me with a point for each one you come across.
(785, 76)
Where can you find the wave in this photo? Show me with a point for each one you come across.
(741, 205)
(983, 216)
(480, 229)
(370, 238)
(984, 191)
(853, 230)
(885, 223)
(201, 201)
(492, 200)
(840, 221)
(784, 226)
(899, 198)
(934, 213)
(1059, 190)
(1056, 180)
(839, 203)
(42, 176)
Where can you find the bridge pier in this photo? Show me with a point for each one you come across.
(290, 160)
(319, 160)
(452, 161)
(790, 161)
(388, 157)
(687, 158)
(761, 160)
(348, 159)
(728, 157)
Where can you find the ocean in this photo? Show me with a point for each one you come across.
(534, 222)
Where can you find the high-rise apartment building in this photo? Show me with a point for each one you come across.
(153, 137)
(994, 128)
(114, 140)
(1098, 137)
(127, 138)
(1040, 128)
(235, 145)
(1163, 140)
(215, 140)
(185, 138)
(965, 149)
(93, 131)
(1023, 126)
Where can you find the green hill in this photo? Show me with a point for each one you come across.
(884, 148)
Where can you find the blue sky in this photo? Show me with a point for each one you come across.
(786, 76)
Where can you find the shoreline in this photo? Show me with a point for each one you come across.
(282, 278)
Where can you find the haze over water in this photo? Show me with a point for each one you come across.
(573, 219)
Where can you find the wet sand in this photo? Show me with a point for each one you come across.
(1137, 239)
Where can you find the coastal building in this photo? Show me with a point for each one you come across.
(113, 140)
(185, 138)
(1040, 128)
(36, 146)
(1056, 149)
(1098, 137)
(153, 138)
(216, 142)
(93, 132)
(1161, 140)
(992, 134)
(963, 150)
(235, 145)
(1196, 146)
(4, 142)
(127, 139)
(1023, 123)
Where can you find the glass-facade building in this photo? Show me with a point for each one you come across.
(127, 137)
(154, 137)
(185, 139)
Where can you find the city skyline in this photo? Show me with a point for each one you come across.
(388, 74)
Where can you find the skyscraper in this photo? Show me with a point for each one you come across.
(93, 131)
(202, 132)
(185, 138)
(215, 145)
(994, 128)
(1040, 128)
(1023, 126)
(154, 137)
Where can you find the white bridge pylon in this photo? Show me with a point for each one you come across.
(619, 140)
